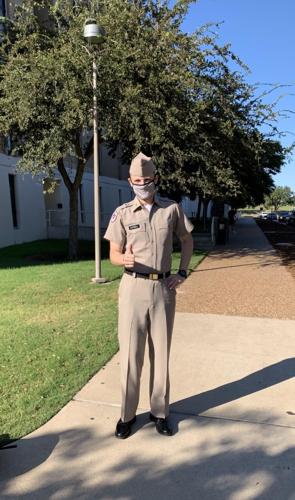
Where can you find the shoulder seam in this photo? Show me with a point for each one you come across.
(126, 205)
(167, 200)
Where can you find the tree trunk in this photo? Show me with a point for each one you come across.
(73, 189)
(199, 208)
(205, 208)
(73, 225)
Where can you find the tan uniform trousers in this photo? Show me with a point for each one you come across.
(146, 307)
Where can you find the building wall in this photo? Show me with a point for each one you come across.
(30, 207)
(45, 214)
(113, 192)
(42, 216)
(190, 207)
(109, 166)
(10, 6)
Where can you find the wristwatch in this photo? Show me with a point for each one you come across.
(182, 273)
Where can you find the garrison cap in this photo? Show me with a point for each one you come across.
(142, 166)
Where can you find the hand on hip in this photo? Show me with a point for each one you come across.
(174, 281)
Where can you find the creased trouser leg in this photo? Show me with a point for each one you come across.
(133, 310)
(145, 306)
(162, 312)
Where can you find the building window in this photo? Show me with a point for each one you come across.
(11, 178)
(2, 8)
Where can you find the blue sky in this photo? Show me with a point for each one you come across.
(262, 34)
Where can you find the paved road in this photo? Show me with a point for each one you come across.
(233, 413)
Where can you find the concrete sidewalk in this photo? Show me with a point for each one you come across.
(232, 409)
(245, 277)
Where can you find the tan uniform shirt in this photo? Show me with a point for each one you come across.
(150, 233)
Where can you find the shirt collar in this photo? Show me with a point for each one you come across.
(137, 205)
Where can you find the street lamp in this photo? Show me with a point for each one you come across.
(94, 34)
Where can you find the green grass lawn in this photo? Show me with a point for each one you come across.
(257, 209)
(56, 330)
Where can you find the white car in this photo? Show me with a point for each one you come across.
(263, 215)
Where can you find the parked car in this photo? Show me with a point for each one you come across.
(272, 216)
(283, 216)
(291, 219)
(263, 215)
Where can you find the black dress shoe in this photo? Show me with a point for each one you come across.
(123, 429)
(162, 425)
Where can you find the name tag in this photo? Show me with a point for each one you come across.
(135, 226)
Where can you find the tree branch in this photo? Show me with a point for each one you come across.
(64, 174)
(79, 174)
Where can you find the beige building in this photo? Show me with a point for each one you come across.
(28, 211)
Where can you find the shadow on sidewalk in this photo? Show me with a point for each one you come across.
(250, 264)
(244, 251)
(217, 461)
(257, 381)
(30, 453)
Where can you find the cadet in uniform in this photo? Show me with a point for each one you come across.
(141, 239)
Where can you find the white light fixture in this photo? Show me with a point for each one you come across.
(93, 32)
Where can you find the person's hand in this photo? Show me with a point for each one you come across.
(174, 281)
(128, 257)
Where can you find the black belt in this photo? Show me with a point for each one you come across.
(148, 276)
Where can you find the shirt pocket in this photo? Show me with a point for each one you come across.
(136, 233)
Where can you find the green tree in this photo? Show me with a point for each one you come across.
(232, 160)
(207, 139)
(281, 195)
(46, 93)
(160, 90)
